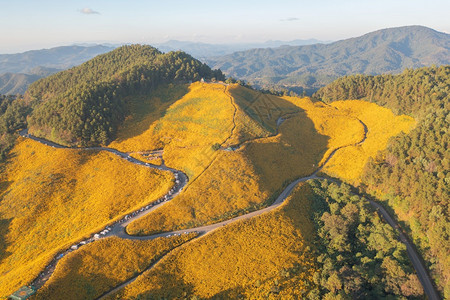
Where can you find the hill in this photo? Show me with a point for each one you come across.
(19, 70)
(12, 84)
(412, 174)
(311, 67)
(84, 105)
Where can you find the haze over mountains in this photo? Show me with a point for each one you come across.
(312, 66)
(298, 64)
(204, 50)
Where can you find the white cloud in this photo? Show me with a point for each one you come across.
(289, 19)
(89, 11)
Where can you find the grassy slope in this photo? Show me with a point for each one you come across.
(246, 179)
(186, 129)
(53, 197)
(382, 124)
(247, 257)
(101, 266)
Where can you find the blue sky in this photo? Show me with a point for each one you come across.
(33, 24)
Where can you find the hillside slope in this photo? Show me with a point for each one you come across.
(84, 105)
(50, 198)
(17, 83)
(11, 84)
(384, 51)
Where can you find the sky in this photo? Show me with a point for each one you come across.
(32, 24)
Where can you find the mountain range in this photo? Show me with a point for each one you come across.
(204, 50)
(296, 65)
(313, 66)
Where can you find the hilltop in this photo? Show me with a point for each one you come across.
(313, 66)
(85, 105)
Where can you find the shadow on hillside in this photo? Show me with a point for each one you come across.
(4, 223)
(239, 292)
(295, 152)
(168, 288)
(61, 284)
(140, 107)
(4, 228)
(262, 108)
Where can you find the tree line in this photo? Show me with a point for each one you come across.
(13, 113)
(412, 174)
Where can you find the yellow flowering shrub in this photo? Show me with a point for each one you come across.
(52, 198)
(382, 124)
(100, 266)
(251, 258)
(238, 181)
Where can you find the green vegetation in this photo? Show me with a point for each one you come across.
(84, 105)
(412, 174)
(13, 113)
(414, 92)
(359, 255)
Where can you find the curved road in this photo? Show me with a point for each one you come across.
(119, 228)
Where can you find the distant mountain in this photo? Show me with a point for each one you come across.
(313, 66)
(18, 71)
(57, 58)
(17, 83)
(203, 50)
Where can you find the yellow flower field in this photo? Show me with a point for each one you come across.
(248, 178)
(249, 258)
(382, 124)
(50, 198)
(186, 129)
(102, 265)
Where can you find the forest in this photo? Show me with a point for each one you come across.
(359, 254)
(412, 174)
(84, 105)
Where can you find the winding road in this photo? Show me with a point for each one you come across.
(118, 228)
